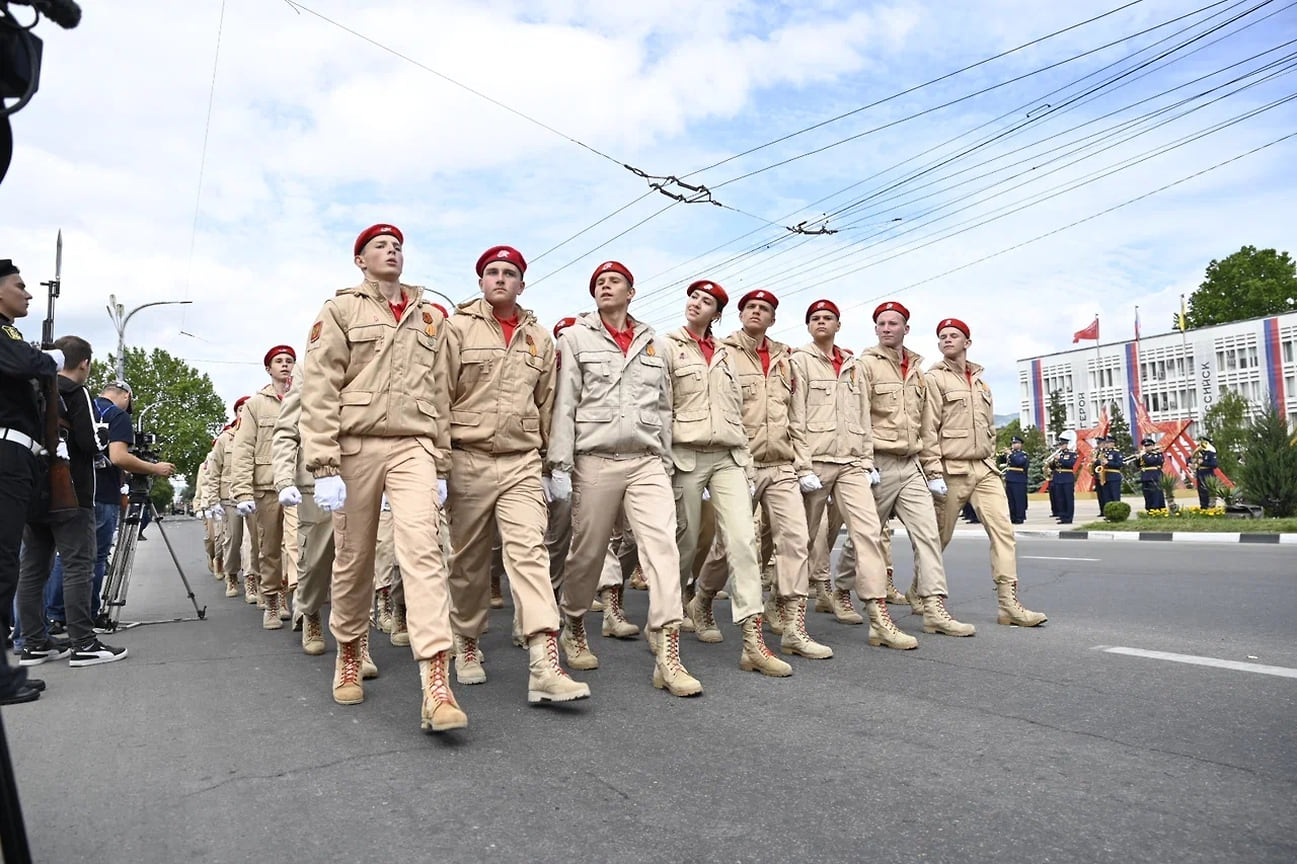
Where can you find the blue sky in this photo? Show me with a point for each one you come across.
(316, 133)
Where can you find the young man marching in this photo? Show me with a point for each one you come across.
(375, 419)
(965, 443)
(501, 368)
(609, 448)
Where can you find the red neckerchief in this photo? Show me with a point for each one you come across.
(706, 343)
(968, 373)
(508, 325)
(838, 359)
(398, 309)
(763, 354)
(905, 365)
(623, 338)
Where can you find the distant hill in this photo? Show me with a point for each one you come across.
(1002, 420)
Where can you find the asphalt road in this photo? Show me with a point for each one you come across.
(216, 741)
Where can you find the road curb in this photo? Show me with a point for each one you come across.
(1132, 536)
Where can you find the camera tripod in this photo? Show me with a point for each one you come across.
(118, 577)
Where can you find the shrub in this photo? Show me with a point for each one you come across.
(1269, 469)
(1116, 511)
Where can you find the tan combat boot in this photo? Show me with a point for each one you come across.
(775, 612)
(637, 580)
(912, 597)
(686, 597)
(217, 568)
(231, 585)
(896, 598)
(756, 655)
(843, 609)
(251, 594)
(270, 619)
(347, 686)
(439, 712)
(575, 645)
(312, 634)
(547, 681)
(882, 632)
(497, 597)
(700, 612)
(286, 605)
(937, 620)
(1013, 612)
(823, 599)
(615, 623)
(400, 634)
(367, 667)
(383, 609)
(795, 638)
(668, 672)
(468, 663)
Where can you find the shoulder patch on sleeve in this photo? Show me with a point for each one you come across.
(315, 330)
(12, 332)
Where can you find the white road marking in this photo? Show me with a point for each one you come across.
(1053, 558)
(1195, 660)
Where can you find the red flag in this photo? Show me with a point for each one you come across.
(1091, 332)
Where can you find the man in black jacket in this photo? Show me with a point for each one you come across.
(72, 534)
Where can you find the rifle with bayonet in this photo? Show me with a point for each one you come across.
(63, 495)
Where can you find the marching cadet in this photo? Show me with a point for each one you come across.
(905, 437)
(296, 489)
(253, 480)
(782, 464)
(501, 377)
(710, 450)
(210, 537)
(220, 483)
(375, 419)
(965, 441)
(1016, 464)
(1062, 481)
(610, 448)
(1204, 462)
(832, 410)
(1149, 461)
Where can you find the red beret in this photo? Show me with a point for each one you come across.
(239, 404)
(616, 267)
(957, 324)
(441, 309)
(563, 323)
(279, 349)
(708, 287)
(764, 296)
(891, 306)
(374, 231)
(502, 253)
(825, 306)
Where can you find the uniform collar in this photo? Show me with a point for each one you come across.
(480, 309)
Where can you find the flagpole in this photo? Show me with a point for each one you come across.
(1098, 375)
(1139, 378)
(1188, 363)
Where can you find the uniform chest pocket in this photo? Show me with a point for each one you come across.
(597, 364)
(475, 365)
(366, 341)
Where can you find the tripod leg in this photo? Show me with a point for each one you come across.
(118, 578)
(201, 613)
(13, 835)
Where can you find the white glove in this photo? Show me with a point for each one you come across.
(938, 486)
(546, 489)
(874, 477)
(217, 511)
(290, 496)
(246, 508)
(810, 483)
(385, 504)
(560, 485)
(57, 356)
(707, 494)
(330, 493)
(752, 489)
(442, 492)
(61, 451)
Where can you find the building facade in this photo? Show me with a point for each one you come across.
(1177, 376)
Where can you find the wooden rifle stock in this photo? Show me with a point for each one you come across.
(63, 495)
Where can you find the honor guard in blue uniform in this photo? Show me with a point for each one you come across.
(1111, 471)
(1016, 463)
(1150, 461)
(1062, 481)
(1205, 464)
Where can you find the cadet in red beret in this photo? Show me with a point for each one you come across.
(822, 306)
(764, 296)
(891, 306)
(957, 324)
(220, 475)
(716, 291)
(376, 231)
(614, 267)
(502, 253)
(279, 349)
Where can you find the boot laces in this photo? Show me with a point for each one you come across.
(942, 612)
(669, 650)
(576, 629)
(467, 649)
(708, 621)
(351, 663)
(759, 637)
(614, 604)
(884, 617)
(799, 624)
(314, 630)
(398, 618)
(551, 654)
(438, 686)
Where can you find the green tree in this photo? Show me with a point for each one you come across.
(1248, 284)
(1119, 432)
(161, 494)
(1057, 424)
(1004, 435)
(1269, 471)
(1226, 423)
(174, 400)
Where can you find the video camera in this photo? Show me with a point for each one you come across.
(20, 60)
(144, 448)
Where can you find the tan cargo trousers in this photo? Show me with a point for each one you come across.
(486, 490)
(601, 487)
(235, 526)
(717, 471)
(404, 469)
(315, 554)
(849, 486)
(780, 497)
(269, 518)
(978, 483)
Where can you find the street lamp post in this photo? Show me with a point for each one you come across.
(120, 318)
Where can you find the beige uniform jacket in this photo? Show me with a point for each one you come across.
(832, 409)
(964, 414)
(367, 374)
(252, 469)
(707, 403)
(607, 403)
(287, 462)
(219, 467)
(900, 417)
(200, 485)
(767, 404)
(501, 396)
